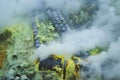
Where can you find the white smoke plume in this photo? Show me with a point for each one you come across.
(12, 11)
(105, 31)
(107, 63)
(74, 42)
(65, 5)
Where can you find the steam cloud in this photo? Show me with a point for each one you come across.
(75, 41)
(106, 64)
(104, 31)
(12, 11)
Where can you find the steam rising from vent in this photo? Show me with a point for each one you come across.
(104, 31)
(107, 63)
(75, 41)
(12, 11)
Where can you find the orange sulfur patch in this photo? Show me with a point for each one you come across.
(4, 41)
(2, 57)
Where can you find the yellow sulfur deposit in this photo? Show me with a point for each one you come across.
(2, 57)
(95, 51)
(70, 70)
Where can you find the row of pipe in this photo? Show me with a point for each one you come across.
(57, 20)
(35, 32)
